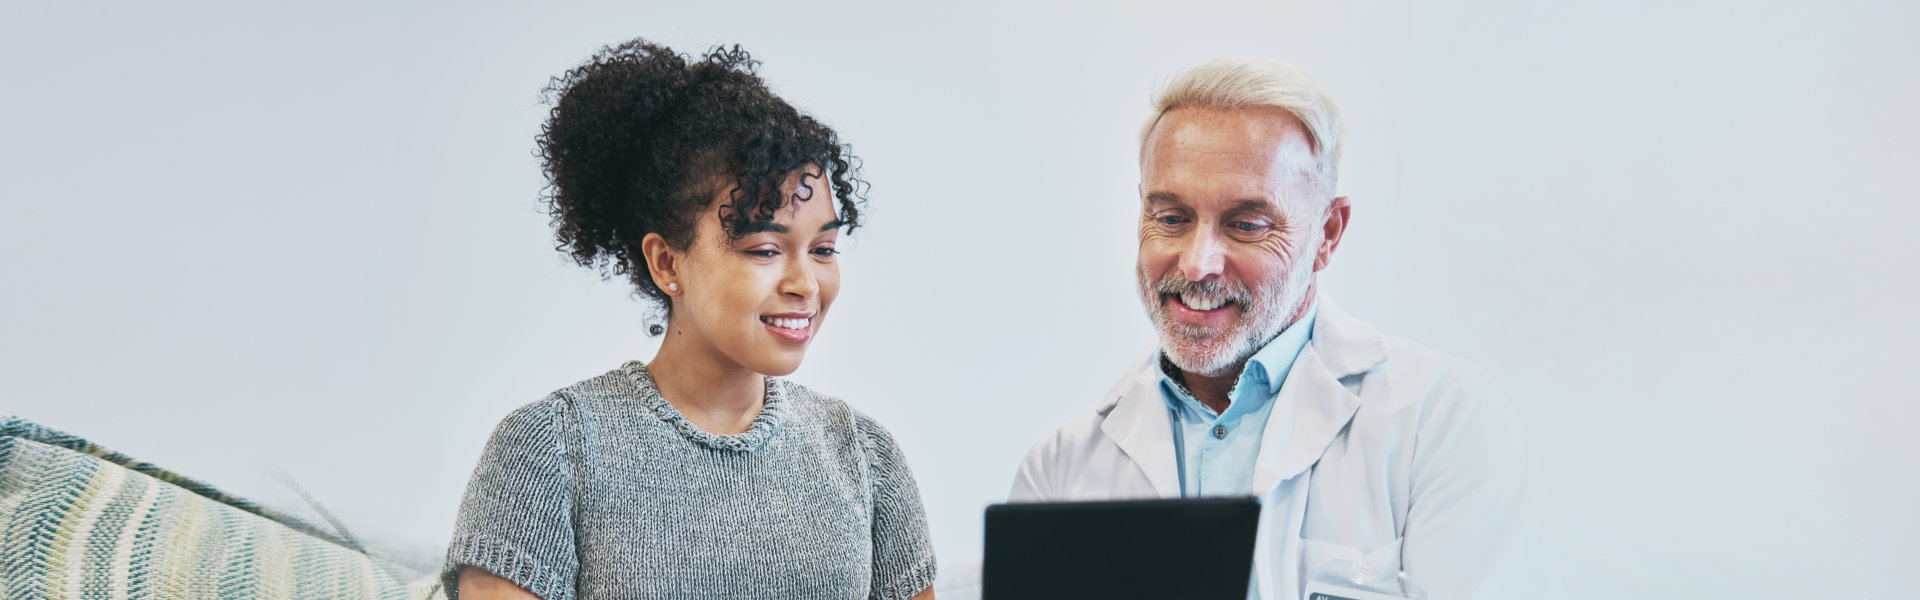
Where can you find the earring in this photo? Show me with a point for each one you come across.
(673, 287)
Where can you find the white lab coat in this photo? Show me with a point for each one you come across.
(1381, 456)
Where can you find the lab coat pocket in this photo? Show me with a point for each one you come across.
(1376, 570)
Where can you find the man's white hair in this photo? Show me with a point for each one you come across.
(1237, 83)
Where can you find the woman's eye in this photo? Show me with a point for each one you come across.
(764, 253)
(825, 251)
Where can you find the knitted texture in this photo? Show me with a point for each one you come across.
(604, 490)
(80, 521)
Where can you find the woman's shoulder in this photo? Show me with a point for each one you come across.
(584, 399)
(836, 414)
(812, 403)
(817, 409)
(622, 384)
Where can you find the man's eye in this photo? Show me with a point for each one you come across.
(1247, 226)
(1172, 220)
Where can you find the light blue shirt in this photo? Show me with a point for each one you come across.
(1216, 452)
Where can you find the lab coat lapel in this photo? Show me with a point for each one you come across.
(1283, 515)
(1140, 426)
(1309, 412)
(1313, 406)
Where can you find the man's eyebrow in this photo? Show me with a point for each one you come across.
(1168, 197)
(1243, 205)
(1254, 205)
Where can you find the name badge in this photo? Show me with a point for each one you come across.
(1326, 591)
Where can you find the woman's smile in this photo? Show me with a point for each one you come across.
(792, 327)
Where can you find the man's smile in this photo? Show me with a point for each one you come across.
(1195, 309)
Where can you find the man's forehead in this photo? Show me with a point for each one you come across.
(1250, 126)
(1261, 130)
(1193, 153)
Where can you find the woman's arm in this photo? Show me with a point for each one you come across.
(478, 584)
(516, 520)
(902, 550)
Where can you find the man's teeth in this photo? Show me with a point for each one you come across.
(1201, 303)
(794, 324)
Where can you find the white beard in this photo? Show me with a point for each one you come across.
(1202, 350)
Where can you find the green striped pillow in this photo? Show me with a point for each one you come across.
(81, 521)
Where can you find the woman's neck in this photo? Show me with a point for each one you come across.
(717, 394)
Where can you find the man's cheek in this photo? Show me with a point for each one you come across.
(1156, 259)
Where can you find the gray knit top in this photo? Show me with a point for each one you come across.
(604, 490)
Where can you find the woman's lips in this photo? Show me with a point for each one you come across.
(793, 327)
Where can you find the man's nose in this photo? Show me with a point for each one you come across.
(1204, 256)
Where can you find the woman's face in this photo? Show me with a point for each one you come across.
(759, 300)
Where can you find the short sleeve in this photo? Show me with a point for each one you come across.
(516, 520)
(903, 562)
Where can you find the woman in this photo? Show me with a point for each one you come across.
(698, 475)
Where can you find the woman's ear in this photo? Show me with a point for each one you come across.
(663, 263)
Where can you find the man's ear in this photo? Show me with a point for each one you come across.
(1339, 213)
(663, 263)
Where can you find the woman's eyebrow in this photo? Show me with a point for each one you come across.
(770, 226)
(754, 227)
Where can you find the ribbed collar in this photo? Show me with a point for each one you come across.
(764, 426)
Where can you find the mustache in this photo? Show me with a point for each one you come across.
(1210, 289)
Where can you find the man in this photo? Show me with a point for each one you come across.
(1379, 463)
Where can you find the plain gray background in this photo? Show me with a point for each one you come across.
(307, 238)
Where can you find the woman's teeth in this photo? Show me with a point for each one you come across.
(1200, 303)
(794, 324)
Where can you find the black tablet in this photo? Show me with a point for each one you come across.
(1188, 548)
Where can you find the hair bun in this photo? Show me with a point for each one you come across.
(637, 80)
(597, 133)
(640, 140)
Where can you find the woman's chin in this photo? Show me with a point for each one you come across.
(777, 364)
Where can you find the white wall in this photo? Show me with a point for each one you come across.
(241, 238)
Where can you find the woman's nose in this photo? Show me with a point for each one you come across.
(797, 279)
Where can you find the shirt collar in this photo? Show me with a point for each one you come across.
(1265, 372)
(1272, 362)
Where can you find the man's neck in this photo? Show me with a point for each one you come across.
(1213, 391)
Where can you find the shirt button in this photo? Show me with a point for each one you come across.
(1219, 432)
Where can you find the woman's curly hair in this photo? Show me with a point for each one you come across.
(641, 140)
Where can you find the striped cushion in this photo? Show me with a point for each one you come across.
(80, 521)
